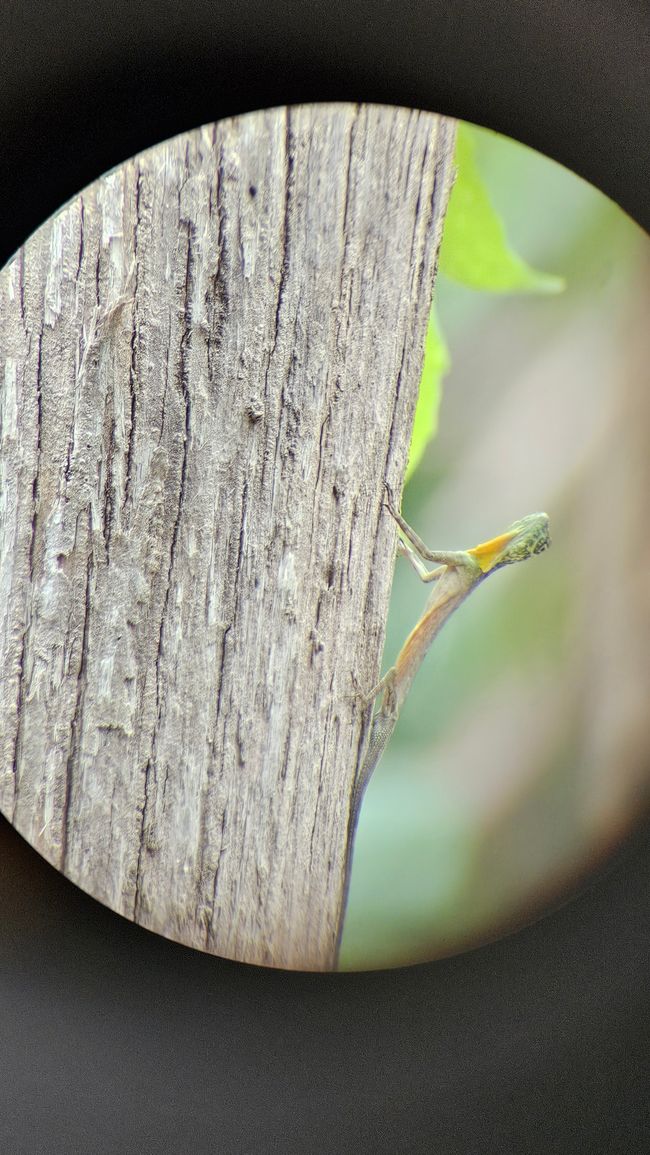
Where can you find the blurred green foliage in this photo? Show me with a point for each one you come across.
(475, 249)
(434, 368)
(474, 252)
(427, 877)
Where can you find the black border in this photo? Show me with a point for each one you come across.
(85, 85)
(112, 1039)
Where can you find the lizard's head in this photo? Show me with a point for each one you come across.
(524, 538)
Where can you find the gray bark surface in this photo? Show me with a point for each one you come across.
(209, 364)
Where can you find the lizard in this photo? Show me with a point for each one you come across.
(456, 574)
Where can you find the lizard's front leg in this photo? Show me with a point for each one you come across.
(415, 549)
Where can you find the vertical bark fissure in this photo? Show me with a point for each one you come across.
(133, 363)
(107, 460)
(215, 885)
(286, 224)
(77, 717)
(29, 598)
(183, 383)
(82, 221)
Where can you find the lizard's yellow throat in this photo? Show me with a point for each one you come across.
(489, 552)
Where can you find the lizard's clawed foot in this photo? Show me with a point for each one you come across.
(367, 697)
(389, 501)
(360, 694)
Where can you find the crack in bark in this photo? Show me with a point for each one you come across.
(36, 485)
(215, 884)
(288, 200)
(21, 288)
(109, 452)
(289, 182)
(219, 298)
(346, 199)
(134, 346)
(82, 221)
(185, 343)
(137, 897)
(77, 717)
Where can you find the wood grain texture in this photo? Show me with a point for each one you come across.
(208, 366)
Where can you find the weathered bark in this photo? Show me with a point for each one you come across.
(210, 363)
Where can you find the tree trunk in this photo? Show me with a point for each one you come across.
(210, 362)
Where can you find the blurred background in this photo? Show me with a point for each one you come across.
(521, 758)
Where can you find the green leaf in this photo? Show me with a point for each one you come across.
(474, 248)
(435, 366)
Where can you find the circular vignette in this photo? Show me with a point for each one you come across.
(577, 974)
